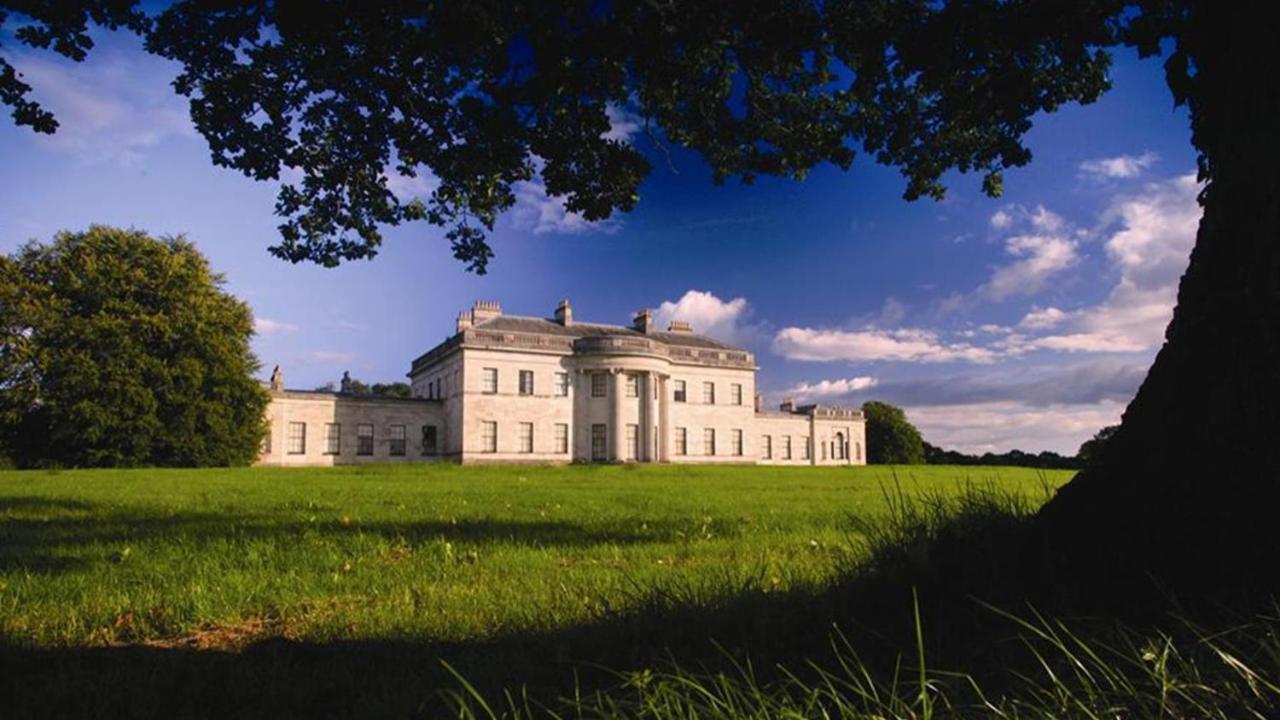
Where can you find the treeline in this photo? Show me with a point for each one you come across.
(1048, 460)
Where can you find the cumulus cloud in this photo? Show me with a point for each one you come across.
(1004, 426)
(1121, 167)
(870, 344)
(112, 107)
(1040, 258)
(727, 320)
(1041, 318)
(829, 388)
(266, 327)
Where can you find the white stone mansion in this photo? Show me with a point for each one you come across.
(554, 390)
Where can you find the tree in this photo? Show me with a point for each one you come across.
(1092, 447)
(119, 349)
(484, 94)
(891, 438)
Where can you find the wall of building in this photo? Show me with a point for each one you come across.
(778, 427)
(695, 415)
(508, 408)
(318, 410)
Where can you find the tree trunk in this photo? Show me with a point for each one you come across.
(1189, 488)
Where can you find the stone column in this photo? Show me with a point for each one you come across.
(644, 435)
(617, 428)
(664, 420)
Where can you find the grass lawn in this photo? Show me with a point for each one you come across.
(436, 553)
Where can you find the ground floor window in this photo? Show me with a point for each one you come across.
(266, 440)
(806, 448)
(682, 441)
(397, 440)
(633, 442)
(364, 439)
(840, 449)
(332, 438)
(709, 441)
(767, 442)
(735, 442)
(858, 449)
(430, 440)
(786, 447)
(599, 442)
(489, 436)
(562, 438)
(526, 437)
(297, 438)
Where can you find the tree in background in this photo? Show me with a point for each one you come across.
(1092, 447)
(118, 349)
(485, 95)
(359, 387)
(891, 438)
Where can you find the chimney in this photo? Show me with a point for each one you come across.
(564, 313)
(679, 326)
(643, 321)
(485, 310)
(788, 406)
(464, 321)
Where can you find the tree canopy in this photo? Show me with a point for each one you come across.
(119, 349)
(891, 438)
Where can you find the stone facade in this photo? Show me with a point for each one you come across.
(554, 390)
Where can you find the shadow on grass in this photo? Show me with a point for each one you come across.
(955, 557)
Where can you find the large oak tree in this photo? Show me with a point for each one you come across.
(483, 94)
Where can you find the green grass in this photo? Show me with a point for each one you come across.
(427, 553)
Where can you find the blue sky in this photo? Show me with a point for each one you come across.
(1026, 321)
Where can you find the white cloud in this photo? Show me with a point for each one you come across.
(725, 320)
(1121, 167)
(1041, 257)
(1004, 426)
(903, 345)
(829, 388)
(623, 124)
(892, 312)
(1001, 219)
(1041, 318)
(406, 188)
(266, 326)
(112, 107)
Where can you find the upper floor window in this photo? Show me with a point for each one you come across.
(526, 437)
(364, 439)
(679, 391)
(633, 385)
(709, 393)
(430, 440)
(735, 442)
(332, 438)
(735, 394)
(489, 381)
(599, 383)
(489, 436)
(562, 384)
(397, 440)
(709, 441)
(297, 438)
(526, 382)
(562, 438)
(682, 441)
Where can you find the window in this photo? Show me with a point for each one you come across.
(735, 442)
(430, 440)
(805, 449)
(858, 449)
(397, 440)
(633, 442)
(682, 441)
(598, 384)
(786, 447)
(490, 381)
(562, 438)
(562, 385)
(709, 393)
(709, 441)
(266, 441)
(332, 438)
(526, 382)
(735, 394)
(824, 451)
(526, 437)
(839, 447)
(297, 438)
(633, 385)
(599, 442)
(364, 439)
(768, 447)
(489, 436)
(439, 394)
(679, 391)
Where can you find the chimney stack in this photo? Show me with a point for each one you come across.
(679, 326)
(759, 402)
(788, 406)
(643, 321)
(484, 310)
(464, 321)
(564, 313)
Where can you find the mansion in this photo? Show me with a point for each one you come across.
(508, 388)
